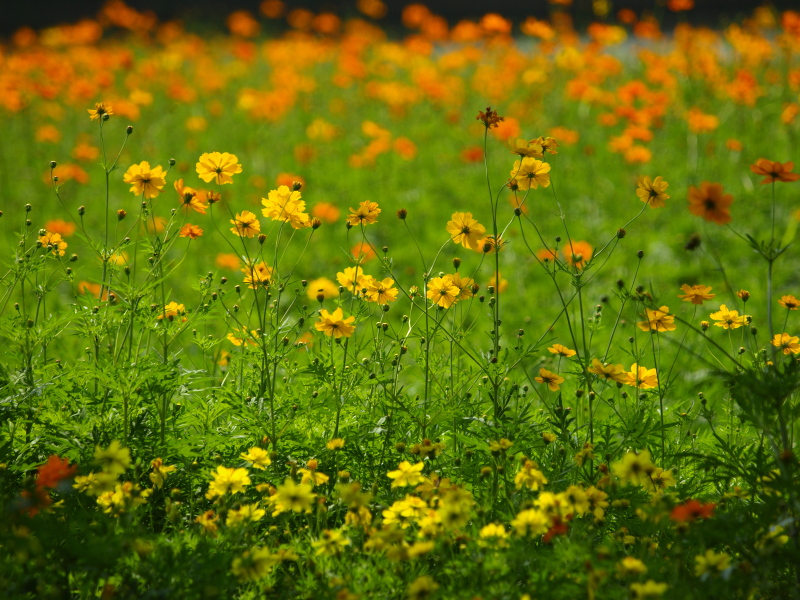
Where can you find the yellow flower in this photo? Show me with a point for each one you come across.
(658, 481)
(285, 205)
(292, 496)
(465, 284)
(652, 191)
(524, 147)
(254, 564)
(531, 522)
(257, 457)
(421, 588)
(634, 468)
(465, 230)
(335, 444)
(218, 166)
(331, 543)
(113, 459)
(353, 279)
(493, 535)
(190, 198)
(227, 479)
(173, 309)
(529, 476)
(657, 320)
(160, 472)
(259, 274)
(696, 294)
(334, 324)
(728, 319)
(789, 302)
(100, 109)
(208, 521)
(145, 181)
(245, 224)
(549, 378)
(382, 291)
(642, 377)
(530, 173)
(711, 562)
(442, 292)
(246, 512)
(54, 242)
(561, 350)
(630, 566)
(647, 590)
(366, 214)
(406, 474)
(608, 372)
(323, 286)
(788, 344)
(574, 500)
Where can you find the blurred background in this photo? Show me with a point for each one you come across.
(45, 13)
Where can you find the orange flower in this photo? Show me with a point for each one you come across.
(710, 203)
(578, 254)
(190, 231)
(65, 228)
(325, 211)
(50, 474)
(691, 511)
(774, 171)
(190, 198)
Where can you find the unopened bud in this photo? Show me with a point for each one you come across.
(129, 129)
(316, 223)
(81, 210)
(640, 253)
(171, 162)
(621, 233)
(402, 214)
(262, 238)
(53, 164)
(121, 214)
(296, 185)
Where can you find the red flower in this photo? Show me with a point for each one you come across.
(53, 471)
(691, 511)
(557, 528)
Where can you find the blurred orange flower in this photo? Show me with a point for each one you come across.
(774, 171)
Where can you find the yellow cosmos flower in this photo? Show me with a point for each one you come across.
(442, 292)
(292, 497)
(334, 324)
(642, 377)
(561, 350)
(711, 562)
(173, 309)
(227, 479)
(788, 302)
(652, 191)
(160, 472)
(382, 291)
(366, 214)
(549, 378)
(608, 372)
(100, 109)
(657, 320)
(728, 319)
(115, 459)
(406, 474)
(54, 242)
(465, 230)
(245, 224)
(787, 344)
(530, 173)
(218, 166)
(696, 294)
(254, 564)
(285, 205)
(257, 457)
(145, 181)
(634, 468)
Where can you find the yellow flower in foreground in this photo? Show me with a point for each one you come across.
(113, 459)
(334, 324)
(442, 292)
(406, 474)
(100, 109)
(173, 309)
(648, 589)
(549, 378)
(465, 230)
(254, 564)
(190, 231)
(257, 457)
(711, 562)
(160, 472)
(696, 294)
(634, 468)
(788, 344)
(657, 320)
(652, 191)
(284, 204)
(728, 319)
(608, 372)
(788, 302)
(227, 479)
(642, 377)
(145, 181)
(54, 242)
(561, 350)
(245, 224)
(530, 173)
(292, 496)
(382, 291)
(366, 214)
(218, 166)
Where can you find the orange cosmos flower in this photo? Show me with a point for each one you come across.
(552, 380)
(191, 231)
(652, 191)
(190, 198)
(774, 171)
(65, 228)
(789, 302)
(787, 343)
(578, 254)
(52, 241)
(710, 203)
(696, 294)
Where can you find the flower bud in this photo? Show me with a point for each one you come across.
(402, 214)
(262, 238)
(129, 129)
(296, 185)
(704, 325)
(640, 253)
(171, 162)
(121, 214)
(621, 233)
(517, 211)
(53, 164)
(81, 210)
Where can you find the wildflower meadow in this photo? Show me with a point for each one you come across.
(314, 305)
